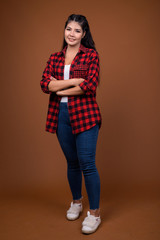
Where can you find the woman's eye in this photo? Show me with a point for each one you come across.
(76, 30)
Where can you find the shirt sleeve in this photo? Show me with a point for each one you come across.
(90, 84)
(47, 73)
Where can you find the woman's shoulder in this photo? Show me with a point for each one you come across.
(92, 52)
(55, 54)
(53, 57)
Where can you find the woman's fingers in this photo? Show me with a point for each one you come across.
(59, 93)
(78, 81)
(52, 78)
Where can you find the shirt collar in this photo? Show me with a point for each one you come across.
(81, 48)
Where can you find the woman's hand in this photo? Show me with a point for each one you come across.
(59, 85)
(60, 93)
(73, 91)
(52, 78)
(77, 81)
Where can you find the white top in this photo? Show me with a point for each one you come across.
(66, 77)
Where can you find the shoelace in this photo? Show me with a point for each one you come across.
(90, 220)
(73, 208)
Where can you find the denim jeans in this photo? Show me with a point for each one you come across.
(79, 150)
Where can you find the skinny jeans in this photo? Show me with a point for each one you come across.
(80, 151)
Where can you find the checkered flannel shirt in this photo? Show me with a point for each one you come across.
(83, 109)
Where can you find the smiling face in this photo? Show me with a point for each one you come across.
(73, 34)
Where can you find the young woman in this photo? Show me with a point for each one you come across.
(71, 78)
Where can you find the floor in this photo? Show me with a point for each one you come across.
(41, 216)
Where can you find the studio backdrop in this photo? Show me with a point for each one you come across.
(127, 38)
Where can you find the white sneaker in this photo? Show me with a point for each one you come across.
(90, 223)
(74, 211)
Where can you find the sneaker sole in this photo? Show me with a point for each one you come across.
(72, 219)
(89, 232)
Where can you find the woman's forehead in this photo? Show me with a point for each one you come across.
(74, 24)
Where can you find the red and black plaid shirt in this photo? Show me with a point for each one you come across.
(83, 109)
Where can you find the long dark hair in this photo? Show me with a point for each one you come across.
(87, 40)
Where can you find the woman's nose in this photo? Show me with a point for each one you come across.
(72, 33)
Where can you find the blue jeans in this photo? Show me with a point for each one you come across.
(79, 150)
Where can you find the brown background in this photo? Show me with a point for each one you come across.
(127, 38)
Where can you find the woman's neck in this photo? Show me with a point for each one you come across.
(71, 52)
(73, 49)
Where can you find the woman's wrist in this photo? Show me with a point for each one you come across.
(72, 82)
(50, 86)
(77, 81)
(60, 93)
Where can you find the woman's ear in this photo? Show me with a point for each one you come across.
(84, 34)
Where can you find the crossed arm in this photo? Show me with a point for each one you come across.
(74, 86)
(66, 88)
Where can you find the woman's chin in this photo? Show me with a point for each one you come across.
(72, 43)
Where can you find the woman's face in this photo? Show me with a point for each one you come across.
(73, 34)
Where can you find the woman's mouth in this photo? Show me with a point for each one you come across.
(71, 39)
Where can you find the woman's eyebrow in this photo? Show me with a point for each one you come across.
(75, 28)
